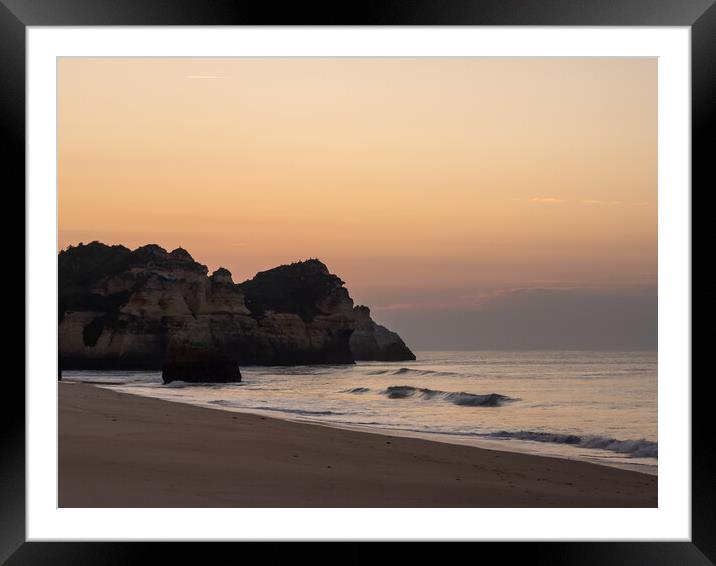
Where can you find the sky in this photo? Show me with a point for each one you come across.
(470, 202)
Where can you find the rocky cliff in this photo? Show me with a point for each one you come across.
(371, 341)
(150, 309)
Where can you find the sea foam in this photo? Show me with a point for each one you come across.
(641, 448)
(455, 397)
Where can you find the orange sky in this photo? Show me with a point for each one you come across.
(423, 175)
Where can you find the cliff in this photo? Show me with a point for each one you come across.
(371, 341)
(150, 309)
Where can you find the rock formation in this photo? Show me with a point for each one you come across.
(153, 309)
(371, 341)
(188, 361)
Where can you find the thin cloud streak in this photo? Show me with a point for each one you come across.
(501, 298)
(555, 200)
(613, 203)
(548, 200)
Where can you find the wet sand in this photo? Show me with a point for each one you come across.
(120, 450)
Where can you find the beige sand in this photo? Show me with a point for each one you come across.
(119, 450)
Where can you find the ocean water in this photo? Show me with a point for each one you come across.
(594, 406)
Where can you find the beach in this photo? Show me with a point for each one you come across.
(122, 450)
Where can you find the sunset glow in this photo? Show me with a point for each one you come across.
(418, 181)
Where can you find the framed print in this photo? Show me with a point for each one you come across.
(418, 273)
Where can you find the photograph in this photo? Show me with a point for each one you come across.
(357, 282)
(410, 272)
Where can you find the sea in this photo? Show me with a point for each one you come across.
(597, 407)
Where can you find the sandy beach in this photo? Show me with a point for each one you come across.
(119, 450)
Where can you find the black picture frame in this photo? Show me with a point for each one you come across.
(16, 15)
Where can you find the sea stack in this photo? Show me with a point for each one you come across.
(199, 365)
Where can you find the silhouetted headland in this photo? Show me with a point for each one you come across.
(152, 309)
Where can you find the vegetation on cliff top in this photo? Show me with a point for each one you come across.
(294, 288)
(79, 266)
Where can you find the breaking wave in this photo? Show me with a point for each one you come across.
(641, 448)
(411, 372)
(455, 397)
(178, 384)
(356, 390)
(227, 403)
(300, 411)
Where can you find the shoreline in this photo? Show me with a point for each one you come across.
(118, 449)
(499, 445)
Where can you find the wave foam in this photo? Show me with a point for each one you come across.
(455, 397)
(178, 384)
(411, 371)
(356, 390)
(641, 448)
(227, 403)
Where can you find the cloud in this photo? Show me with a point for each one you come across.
(509, 298)
(539, 318)
(422, 305)
(460, 301)
(613, 202)
(546, 199)
(596, 202)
